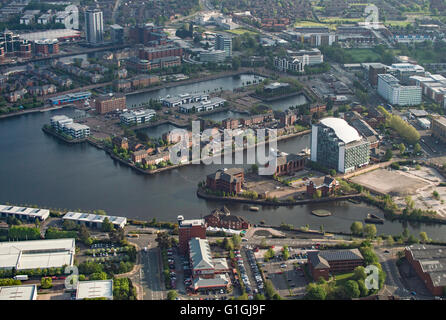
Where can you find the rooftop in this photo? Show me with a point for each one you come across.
(34, 254)
(94, 289)
(342, 129)
(31, 212)
(25, 292)
(86, 217)
(200, 254)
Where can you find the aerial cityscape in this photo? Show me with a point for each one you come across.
(195, 150)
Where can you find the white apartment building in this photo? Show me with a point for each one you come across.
(137, 117)
(393, 92)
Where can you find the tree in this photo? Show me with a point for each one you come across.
(84, 235)
(416, 148)
(360, 273)
(46, 283)
(315, 292)
(107, 226)
(370, 230)
(362, 288)
(356, 228)
(332, 172)
(98, 276)
(172, 295)
(390, 241)
(236, 240)
(352, 289)
(285, 252)
(388, 155)
(402, 148)
(269, 254)
(423, 237)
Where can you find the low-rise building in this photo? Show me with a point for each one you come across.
(288, 164)
(22, 292)
(23, 213)
(226, 180)
(77, 130)
(222, 218)
(327, 185)
(202, 106)
(189, 229)
(25, 255)
(136, 117)
(429, 262)
(439, 128)
(109, 103)
(94, 289)
(94, 220)
(326, 262)
(213, 56)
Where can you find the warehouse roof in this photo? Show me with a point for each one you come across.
(94, 218)
(34, 254)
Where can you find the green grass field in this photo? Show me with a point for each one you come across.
(342, 278)
(363, 55)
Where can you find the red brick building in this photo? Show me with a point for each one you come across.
(222, 218)
(327, 185)
(226, 180)
(230, 123)
(429, 262)
(160, 52)
(108, 103)
(287, 164)
(326, 262)
(189, 229)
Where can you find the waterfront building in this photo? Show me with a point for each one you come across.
(327, 262)
(59, 122)
(213, 56)
(21, 292)
(394, 93)
(184, 99)
(188, 229)
(439, 128)
(224, 43)
(111, 102)
(135, 117)
(296, 61)
(226, 180)
(77, 130)
(337, 145)
(276, 88)
(94, 220)
(202, 106)
(222, 218)
(121, 143)
(23, 213)
(327, 185)
(288, 164)
(94, 26)
(69, 98)
(429, 262)
(94, 289)
(25, 255)
(46, 46)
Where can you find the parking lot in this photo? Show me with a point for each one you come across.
(249, 271)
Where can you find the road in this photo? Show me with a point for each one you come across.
(150, 275)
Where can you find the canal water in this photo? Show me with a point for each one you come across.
(38, 169)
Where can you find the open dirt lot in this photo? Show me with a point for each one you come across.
(393, 182)
(418, 184)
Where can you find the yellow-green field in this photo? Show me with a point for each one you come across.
(241, 31)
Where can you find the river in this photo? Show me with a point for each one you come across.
(38, 169)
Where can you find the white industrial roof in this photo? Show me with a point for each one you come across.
(87, 217)
(31, 212)
(342, 129)
(34, 254)
(25, 292)
(94, 289)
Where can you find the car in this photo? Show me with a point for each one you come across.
(413, 293)
(283, 265)
(386, 251)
